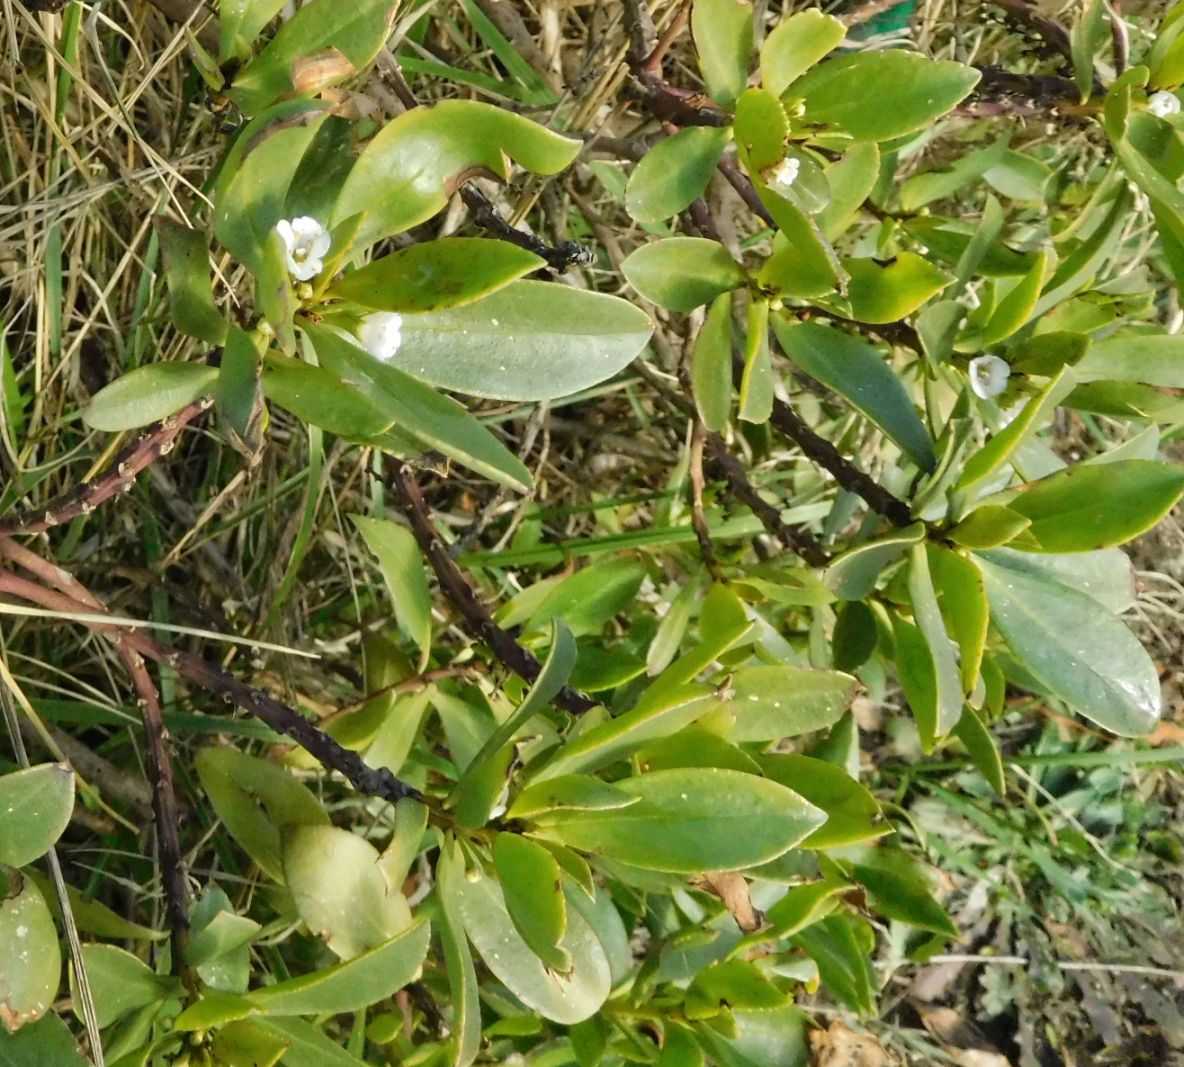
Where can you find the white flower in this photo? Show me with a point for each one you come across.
(306, 241)
(988, 376)
(786, 172)
(381, 334)
(1163, 104)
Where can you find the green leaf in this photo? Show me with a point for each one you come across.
(680, 1047)
(1093, 506)
(528, 341)
(803, 264)
(1150, 358)
(963, 602)
(462, 976)
(889, 293)
(187, 270)
(592, 596)
(917, 674)
(658, 713)
(843, 965)
(674, 173)
(318, 178)
(988, 526)
(695, 746)
(236, 392)
(711, 365)
(274, 292)
(853, 575)
(795, 45)
(682, 273)
(761, 130)
(434, 275)
(564, 998)
(220, 943)
(855, 636)
(1016, 307)
(776, 702)
(728, 985)
(723, 35)
(757, 380)
(910, 92)
(984, 752)
(353, 984)
(929, 620)
(579, 792)
(852, 813)
(1105, 576)
(35, 807)
(241, 21)
(1086, 37)
(317, 396)
(1046, 353)
(532, 885)
(803, 906)
(45, 1043)
(31, 964)
(924, 188)
(340, 890)
(1083, 656)
(689, 821)
(120, 983)
(302, 1044)
(214, 1010)
(898, 890)
(357, 30)
(402, 571)
(1019, 176)
(148, 393)
(434, 421)
(851, 179)
(406, 174)
(238, 785)
(860, 374)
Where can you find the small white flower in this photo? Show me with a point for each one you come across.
(306, 241)
(381, 334)
(786, 172)
(1164, 104)
(988, 376)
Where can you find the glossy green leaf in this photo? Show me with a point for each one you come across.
(909, 91)
(803, 265)
(695, 746)
(1046, 353)
(853, 574)
(1106, 576)
(148, 393)
(660, 712)
(318, 179)
(1088, 659)
(340, 890)
(795, 45)
(317, 396)
(730, 984)
(682, 273)
(689, 821)
(851, 179)
(357, 30)
(354, 983)
(30, 963)
(988, 526)
(434, 421)
(564, 998)
(186, 256)
(963, 602)
(591, 597)
(434, 275)
(860, 374)
(898, 889)
(852, 813)
(302, 1043)
(220, 943)
(1092, 506)
(214, 1010)
(236, 392)
(757, 381)
(803, 906)
(580, 792)
(1019, 176)
(1086, 38)
(253, 798)
(842, 963)
(674, 172)
(711, 365)
(917, 675)
(407, 172)
(1150, 358)
(931, 623)
(782, 701)
(723, 33)
(1016, 307)
(528, 341)
(35, 807)
(924, 188)
(889, 293)
(855, 636)
(120, 983)
(462, 975)
(984, 752)
(45, 1043)
(402, 570)
(761, 129)
(532, 887)
(241, 21)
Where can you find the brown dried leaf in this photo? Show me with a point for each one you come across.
(732, 889)
(840, 1046)
(311, 74)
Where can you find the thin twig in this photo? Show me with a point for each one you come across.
(485, 215)
(1055, 35)
(153, 443)
(461, 596)
(1064, 965)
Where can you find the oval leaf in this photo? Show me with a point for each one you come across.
(148, 393)
(674, 172)
(35, 806)
(682, 273)
(30, 962)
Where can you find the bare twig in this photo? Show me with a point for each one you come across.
(461, 596)
(485, 215)
(1054, 34)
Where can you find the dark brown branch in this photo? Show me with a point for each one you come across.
(371, 781)
(156, 442)
(1055, 35)
(461, 596)
(165, 814)
(485, 215)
